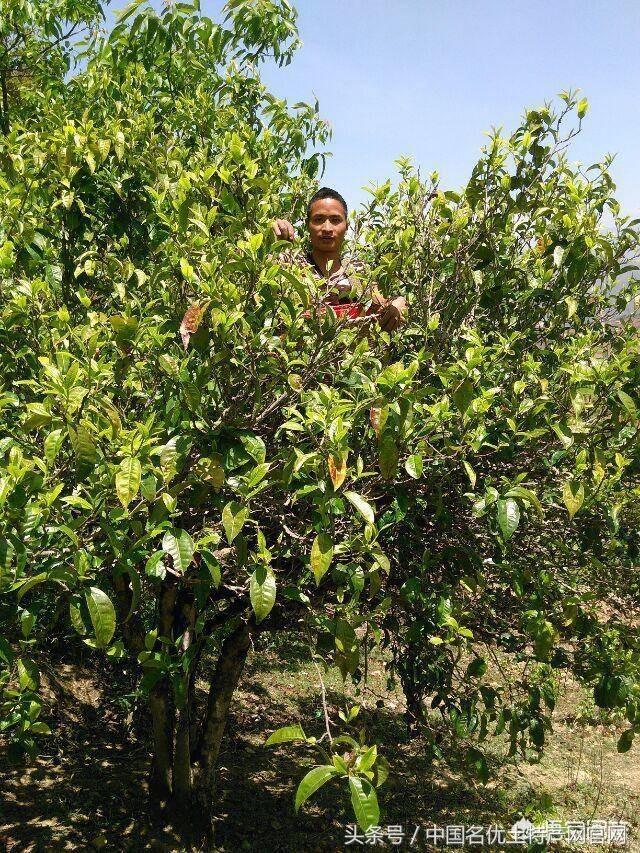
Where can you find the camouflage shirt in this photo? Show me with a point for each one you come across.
(348, 283)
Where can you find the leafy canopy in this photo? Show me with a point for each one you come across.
(179, 415)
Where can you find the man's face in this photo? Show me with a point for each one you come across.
(327, 225)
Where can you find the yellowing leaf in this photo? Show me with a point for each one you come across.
(128, 480)
(210, 470)
(168, 459)
(186, 269)
(599, 466)
(169, 365)
(337, 469)
(191, 321)
(471, 474)
(233, 518)
(364, 508)
(321, 555)
(378, 415)
(573, 497)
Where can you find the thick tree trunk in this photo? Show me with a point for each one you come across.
(162, 721)
(182, 747)
(161, 703)
(226, 677)
(132, 629)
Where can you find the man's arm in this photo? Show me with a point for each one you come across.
(283, 230)
(390, 313)
(393, 314)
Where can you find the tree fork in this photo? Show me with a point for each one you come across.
(132, 627)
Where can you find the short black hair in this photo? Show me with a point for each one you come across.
(327, 192)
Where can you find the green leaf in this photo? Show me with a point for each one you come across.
(52, 444)
(583, 106)
(262, 592)
(545, 639)
(388, 456)
(128, 480)
(573, 496)
(136, 589)
(30, 583)
(365, 803)
(258, 474)
(368, 758)
(38, 415)
(471, 474)
(75, 615)
(463, 395)
(6, 652)
(477, 668)
(83, 445)
(321, 556)
(180, 546)
(155, 567)
(233, 518)
(213, 565)
(364, 508)
(508, 517)
(255, 447)
(27, 621)
(314, 779)
(625, 741)
(148, 488)
(527, 496)
(28, 675)
(628, 403)
(414, 466)
(102, 614)
(286, 734)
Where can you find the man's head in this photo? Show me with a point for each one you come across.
(327, 221)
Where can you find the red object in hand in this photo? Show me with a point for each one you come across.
(346, 309)
(342, 309)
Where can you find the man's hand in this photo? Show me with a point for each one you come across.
(393, 314)
(283, 230)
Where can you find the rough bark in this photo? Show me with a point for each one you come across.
(160, 703)
(227, 674)
(182, 745)
(162, 723)
(132, 629)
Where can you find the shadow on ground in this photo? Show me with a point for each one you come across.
(89, 790)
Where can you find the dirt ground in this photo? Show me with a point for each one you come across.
(87, 791)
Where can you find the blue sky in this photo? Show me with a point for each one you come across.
(425, 78)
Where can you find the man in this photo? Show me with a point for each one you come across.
(327, 225)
